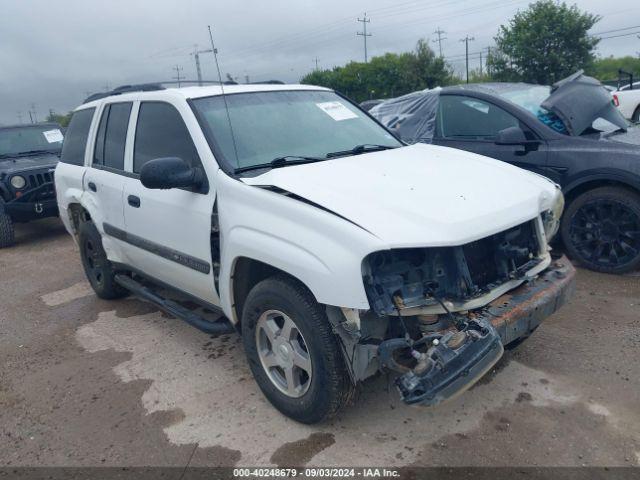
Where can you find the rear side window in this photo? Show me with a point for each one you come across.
(161, 132)
(75, 140)
(112, 136)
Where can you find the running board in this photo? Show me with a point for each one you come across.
(173, 308)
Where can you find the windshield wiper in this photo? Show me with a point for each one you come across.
(358, 149)
(278, 162)
(34, 152)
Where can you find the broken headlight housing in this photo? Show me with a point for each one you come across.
(551, 217)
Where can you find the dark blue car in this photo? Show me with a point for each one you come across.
(570, 132)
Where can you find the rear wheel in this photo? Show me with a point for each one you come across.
(97, 267)
(292, 351)
(601, 229)
(635, 118)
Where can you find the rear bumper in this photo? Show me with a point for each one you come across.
(510, 317)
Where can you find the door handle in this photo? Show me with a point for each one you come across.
(134, 201)
(92, 187)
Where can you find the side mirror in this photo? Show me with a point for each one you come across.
(511, 136)
(170, 172)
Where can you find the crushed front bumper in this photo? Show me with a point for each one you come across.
(519, 312)
(510, 317)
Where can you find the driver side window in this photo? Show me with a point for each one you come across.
(161, 132)
(467, 118)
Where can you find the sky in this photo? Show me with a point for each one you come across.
(53, 54)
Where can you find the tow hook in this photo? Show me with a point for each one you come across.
(38, 208)
(451, 363)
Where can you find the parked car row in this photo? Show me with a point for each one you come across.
(570, 132)
(336, 245)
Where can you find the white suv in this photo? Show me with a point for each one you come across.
(333, 248)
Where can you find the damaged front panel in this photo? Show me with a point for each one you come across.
(401, 279)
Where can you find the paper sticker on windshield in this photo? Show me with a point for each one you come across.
(53, 136)
(336, 110)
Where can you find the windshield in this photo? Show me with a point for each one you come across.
(269, 125)
(24, 140)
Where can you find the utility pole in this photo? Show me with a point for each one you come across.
(178, 77)
(364, 34)
(480, 62)
(466, 41)
(316, 60)
(246, 78)
(107, 87)
(439, 40)
(489, 61)
(20, 118)
(34, 118)
(196, 55)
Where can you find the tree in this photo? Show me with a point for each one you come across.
(385, 76)
(606, 69)
(62, 120)
(544, 44)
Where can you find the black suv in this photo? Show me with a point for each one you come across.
(28, 158)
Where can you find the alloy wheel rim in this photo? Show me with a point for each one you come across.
(283, 353)
(606, 232)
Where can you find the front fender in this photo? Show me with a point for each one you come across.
(338, 283)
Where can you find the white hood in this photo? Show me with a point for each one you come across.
(422, 195)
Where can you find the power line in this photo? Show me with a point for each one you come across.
(439, 33)
(621, 35)
(614, 31)
(364, 34)
(178, 77)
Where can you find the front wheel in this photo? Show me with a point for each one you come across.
(7, 235)
(601, 229)
(292, 351)
(97, 267)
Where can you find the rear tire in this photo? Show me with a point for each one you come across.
(318, 384)
(7, 233)
(97, 267)
(635, 118)
(601, 229)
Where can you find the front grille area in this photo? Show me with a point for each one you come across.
(38, 179)
(413, 277)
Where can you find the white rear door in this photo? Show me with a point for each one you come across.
(105, 178)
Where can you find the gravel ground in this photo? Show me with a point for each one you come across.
(86, 382)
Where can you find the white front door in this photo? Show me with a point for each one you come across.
(168, 231)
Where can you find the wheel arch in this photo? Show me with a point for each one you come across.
(246, 273)
(577, 188)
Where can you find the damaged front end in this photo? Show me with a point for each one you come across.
(440, 317)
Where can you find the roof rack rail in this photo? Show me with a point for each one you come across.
(143, 87)
(267, 82)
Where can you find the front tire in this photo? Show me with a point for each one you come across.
(292, 351)
(601, 229)
(7, 234)
(97, 267)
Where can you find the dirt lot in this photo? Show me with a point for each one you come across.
(89, 382)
